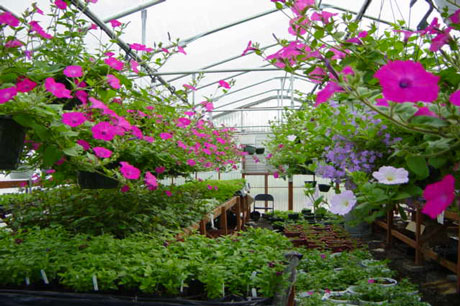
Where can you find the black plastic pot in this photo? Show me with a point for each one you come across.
(278, 227)
(12, 136)
(306, 211)
(255, 215)
(93, 180)
(294, 216)
(250, 149)
(313, 183)
(324, 187)
(260, 150)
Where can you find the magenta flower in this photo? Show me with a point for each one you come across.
(134, 66)
(102, 152)
(82, 96)
(248, 48)
(165, 136)
(317, 75)
(440, 40)
(191, 162)
(425, 111)
(276, 174)
(9, 19)
(324, 16)
(129, 171)
(113, 81)
(6, 94)
(84, 144)
(25, 85)
(189, 87)
(382, 102)
(115, 23)
(137, 47)
(60, 4)
(151, 181)
(327, 92)
(439, 196)
(57, 89)
(300, 6)
(35, 27)
(342, 203)
(103, 131)
(73, 119)
(73, 71)
(168, 193)
(114, 63)
(208, 106)
(407, 81)
(297, 25)
(37, 9)
(93, 26)
(13, 43)
(125, 188)
(455, 98)
(183, 122)
(224, 84)
(160, 170)
(455, 18)
(181, 50)
(407, 34)
(371, 281)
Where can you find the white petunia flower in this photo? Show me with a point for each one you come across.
(391, 176)
(291, 137)
(342, 203)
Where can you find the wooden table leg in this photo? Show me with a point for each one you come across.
(389, 236)
(203, 227)
(238, 214)
(458, 261)
(418, 238)
(223, 220)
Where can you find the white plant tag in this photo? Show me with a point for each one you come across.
(440, 218)
(96, 287)
(223, 289)
(45, 279)
(182, 286)
(254, 292)
(27, 279)
(212, 220)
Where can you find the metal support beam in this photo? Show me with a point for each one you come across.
(247, 98)
(133, 10)
(217, 71)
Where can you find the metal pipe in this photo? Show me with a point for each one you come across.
(217, 71)
(149, 70)
(246, 98)
(133, 10)
(251, 109)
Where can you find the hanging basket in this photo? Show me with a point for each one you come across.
(93, 180)
(250, 149)
(12, 136)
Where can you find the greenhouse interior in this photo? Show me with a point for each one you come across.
(270, 152)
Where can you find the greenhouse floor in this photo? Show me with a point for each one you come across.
(437, 284)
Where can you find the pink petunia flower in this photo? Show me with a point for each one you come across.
(115, 23)
(114, 63)
(327, 92)
(191, 162)
(129, 171)
(189, 87)
(300, 6)
(382, 102)
(181, 50)
(13, 43)
(9, 19)
(82, 96)
(93, 26)
(455, 98)
(57, 89)
(60, 4)
(425, 111)
(168, 193)
(151, 181)
(455, 17)
(125, 188)
(317, 75)
(73, 71)
(134, 66)
(35, 27)
(407, 34)
(440, 40)
(73, 119)
(276, 174)
(165, 136)
(35, 7)
(298, 25)
(84, 144)
(6, 94)
(248, 48)
(183, 122)
(224, 84)
(160, 170)
(102, 152)
(439, 196)
(113, 81)
(324, 16)
(25, 85)
(407, 81)
(137, 47)
(103, 131)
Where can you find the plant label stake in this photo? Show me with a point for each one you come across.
(45, 279)
(212, 221)
(223, 289)
(96, 287)
(440, 218)
(253, 290)
(27, 280)
(182, 286)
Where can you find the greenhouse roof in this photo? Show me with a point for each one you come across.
(214, 35)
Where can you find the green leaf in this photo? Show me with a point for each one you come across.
(51, 155)
(279, 6)
(437, 162)
(401, 196)
(73, 151)
(431, 121)
(417, 165)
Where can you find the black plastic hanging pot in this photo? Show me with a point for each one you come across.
(324, 187)
(12, 136)
(250, 149)
(260, 150)
(94, 180)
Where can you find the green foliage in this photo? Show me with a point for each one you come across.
(145, 263)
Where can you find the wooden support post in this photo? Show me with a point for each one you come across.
(223, 220)
(291, 299)
(389, 237)
(203, 227)
(238, 214)
(248, 209)
(418, 238)
(266, 189)
(290, 194)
